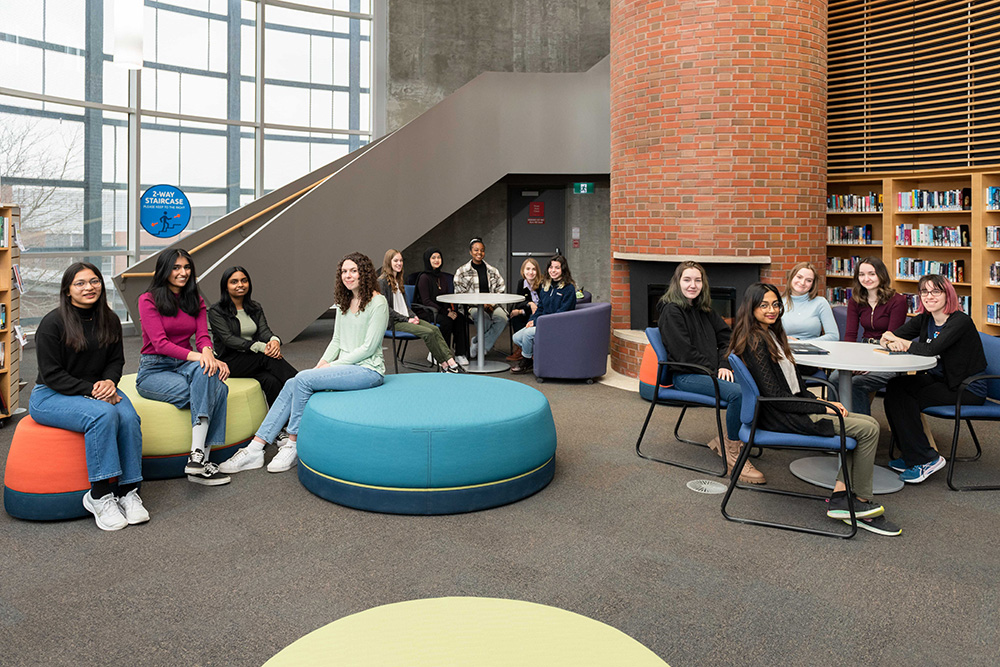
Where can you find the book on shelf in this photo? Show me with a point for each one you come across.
(857, 235)
(995, 273)
(930, 201)
(842, 266)
(839, 296)
(993, 198)
(993, 313)
(19, 334)
(851, 203)
(933, 235)
(15, 271)
(4, 225)
(912, 300)
(3, 316)
(911, 268)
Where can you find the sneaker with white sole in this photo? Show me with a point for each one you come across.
(462, 361)
(878, 525)
(899, 465)
(196, 463)
(133, 509)
(106, 511)
(209, 476)
(285, 459)
(837, 508)
(245, 458)
(430, 358)
(917, 474)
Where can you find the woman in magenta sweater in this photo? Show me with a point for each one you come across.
(170, 312)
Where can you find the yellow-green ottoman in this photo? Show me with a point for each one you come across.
(166, 431)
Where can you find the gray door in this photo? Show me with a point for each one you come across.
(537, 223)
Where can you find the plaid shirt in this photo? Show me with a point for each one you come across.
(467, 280)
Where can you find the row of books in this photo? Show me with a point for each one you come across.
(993, 313)
(4, 226)
(869, 203)
(933, 235)
(995, 273)
(935, 200)
(912, 300)
(912, 268)
(842, 266)
(838, 296)
(3, 316)
(859, 235)
(993, 237)
(993, 198)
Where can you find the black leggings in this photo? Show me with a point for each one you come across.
(454, 331)
(906, 396)
(270, 372)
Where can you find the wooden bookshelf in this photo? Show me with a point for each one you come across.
(9, 305)
(976, 256)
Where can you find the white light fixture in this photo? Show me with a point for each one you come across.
(128, 33)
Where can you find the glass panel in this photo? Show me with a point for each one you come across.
(43, 275)
(289, 155)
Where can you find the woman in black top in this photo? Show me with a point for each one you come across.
(693, 333)
(241, 337)
(940, 329)
(431, 283)
(80, 361)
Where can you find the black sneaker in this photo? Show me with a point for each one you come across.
(209, 476)
(195, 463)
(837, 508)
(878, 525)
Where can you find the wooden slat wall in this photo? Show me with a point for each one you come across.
(914, 85)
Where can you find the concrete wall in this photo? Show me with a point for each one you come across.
(436, 47)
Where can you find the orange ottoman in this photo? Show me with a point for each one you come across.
(46, 474)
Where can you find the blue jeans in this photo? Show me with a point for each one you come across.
(184, 384)
(295, 394)
(526, 339)
(111, 434)
(728, 391)
(493, 326)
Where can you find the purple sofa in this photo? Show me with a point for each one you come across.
(573, 345)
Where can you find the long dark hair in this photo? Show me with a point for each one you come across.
(747, 331)
(159, 286)
(395, 281)
(567, 277)
(674, 295)
(367, 283)
(226, 301)
(106, 323)
(884, 289)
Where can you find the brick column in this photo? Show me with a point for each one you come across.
(718, 132)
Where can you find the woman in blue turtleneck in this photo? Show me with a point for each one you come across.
(807, 315)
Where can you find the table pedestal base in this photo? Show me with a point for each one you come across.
(487, 367)
(822, 471)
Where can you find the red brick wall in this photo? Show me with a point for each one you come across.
(718, 132)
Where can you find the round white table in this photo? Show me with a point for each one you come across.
(480, 299)
(847, 357)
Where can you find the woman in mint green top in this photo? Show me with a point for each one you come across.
(807, 316)
(353, 360)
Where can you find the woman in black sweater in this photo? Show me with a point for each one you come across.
(759, 340)
(80, 361)
(693, 333)
(940, 329)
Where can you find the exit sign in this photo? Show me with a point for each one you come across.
(583, 188)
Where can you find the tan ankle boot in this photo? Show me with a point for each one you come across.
(715, 446)
(749, 474)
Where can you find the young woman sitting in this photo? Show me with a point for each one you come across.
(242, 338)
(556, 295)
(390, 283)
(478, 276)
(528, 287)
(80, 361)
(171, 311)
(693, 333)
(808, 316)
(759, 339)
(875, 308)
(940, 329)
(431, 283)
(352, 360)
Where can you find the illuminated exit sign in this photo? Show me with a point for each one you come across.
(583, 188)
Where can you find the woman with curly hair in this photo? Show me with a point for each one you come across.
(353, 359)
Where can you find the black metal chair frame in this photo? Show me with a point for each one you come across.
(744, 454)
(954, 440)
(399, 346)
(684, 405)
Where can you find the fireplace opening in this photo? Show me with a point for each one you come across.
(723, 302)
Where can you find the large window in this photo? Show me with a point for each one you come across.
(200, 106)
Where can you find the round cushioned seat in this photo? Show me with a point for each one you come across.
(46, 474)
(428, 444)
(166, 431)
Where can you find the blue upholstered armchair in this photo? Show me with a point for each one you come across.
(574, 344)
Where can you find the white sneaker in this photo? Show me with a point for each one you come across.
(285, 459)
(462, 361)
(430, 357)
(245, 458)
(106, 511)
(133, 509)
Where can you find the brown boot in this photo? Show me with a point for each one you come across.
(516, 354)
(715, 446)
(749, 474)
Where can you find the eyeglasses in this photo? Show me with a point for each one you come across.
(770, 306)
(94, 282)
(933, 292)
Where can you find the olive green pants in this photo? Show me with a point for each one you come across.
(431, 336)
(864, 429)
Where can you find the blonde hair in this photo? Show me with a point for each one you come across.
(395, 282)
(813, 291)
(537, 282)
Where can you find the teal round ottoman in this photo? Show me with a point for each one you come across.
(428, 444)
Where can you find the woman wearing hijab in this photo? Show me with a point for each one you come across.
(432, 283)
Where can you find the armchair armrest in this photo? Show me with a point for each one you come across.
(798, 399)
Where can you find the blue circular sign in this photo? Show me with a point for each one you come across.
(164, 211)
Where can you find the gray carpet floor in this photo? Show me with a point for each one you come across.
(230, 575)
